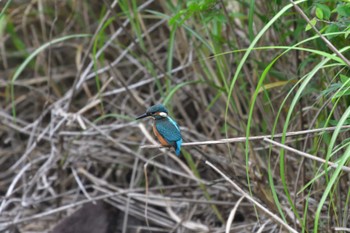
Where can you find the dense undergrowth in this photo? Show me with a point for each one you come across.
(74, 74)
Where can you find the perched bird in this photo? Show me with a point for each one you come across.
(164, 127)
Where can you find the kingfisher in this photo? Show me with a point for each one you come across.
(164, 127)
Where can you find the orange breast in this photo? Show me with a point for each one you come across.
(160, 138)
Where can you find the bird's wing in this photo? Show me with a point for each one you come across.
(169, 130)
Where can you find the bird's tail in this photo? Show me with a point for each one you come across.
(178, 147)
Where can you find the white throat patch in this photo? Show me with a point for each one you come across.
(163, 114)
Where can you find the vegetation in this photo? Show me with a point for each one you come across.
(75, 74)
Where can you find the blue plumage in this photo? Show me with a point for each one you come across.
(170, 131)
(165, 128)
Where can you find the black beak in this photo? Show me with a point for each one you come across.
(142, 116)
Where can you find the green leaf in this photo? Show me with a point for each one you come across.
(344, 88)
(319, 13)
(347, 32)
(341, 93)
(343, 10)
(331, 89)
(3, 22)
(309, 25)
(326, 12)
(24, 64)
(332, 28)
(343, 78)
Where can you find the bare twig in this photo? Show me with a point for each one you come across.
(253, 138)
(306, 155)
(328, 43)
(251, 199)
(232, 215)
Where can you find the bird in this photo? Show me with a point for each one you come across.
(165, 128)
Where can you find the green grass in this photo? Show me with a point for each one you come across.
(22, 66)
(223, 68)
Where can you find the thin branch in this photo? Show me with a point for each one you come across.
(251, 199)
(253, 138)
(328, 43)
(232, 215)
(331, 164)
